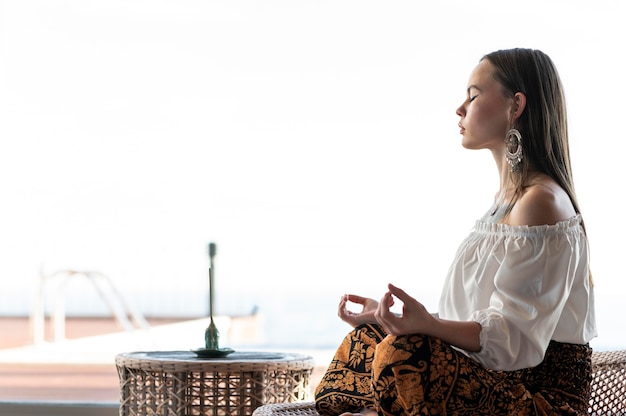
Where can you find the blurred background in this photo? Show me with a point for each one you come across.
(315, 142)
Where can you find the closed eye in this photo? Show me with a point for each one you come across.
(475, 90)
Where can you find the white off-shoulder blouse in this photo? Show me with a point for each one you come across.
(526, 286)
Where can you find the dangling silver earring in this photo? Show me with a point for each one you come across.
(513, 149)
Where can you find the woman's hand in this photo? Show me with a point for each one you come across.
(415, 319)
(366, 316)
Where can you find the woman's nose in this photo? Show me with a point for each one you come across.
(460, 111)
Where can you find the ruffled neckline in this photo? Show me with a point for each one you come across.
(482, 226)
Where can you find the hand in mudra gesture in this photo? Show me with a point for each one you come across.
(365, 316)
(415, 319)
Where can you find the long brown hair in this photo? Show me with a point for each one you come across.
(543, 123)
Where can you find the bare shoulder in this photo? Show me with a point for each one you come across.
(543, 203)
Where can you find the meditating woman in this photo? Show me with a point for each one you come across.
(516, 313)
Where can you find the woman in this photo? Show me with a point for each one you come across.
(516, 312)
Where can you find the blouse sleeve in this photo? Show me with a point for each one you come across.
(531, 286)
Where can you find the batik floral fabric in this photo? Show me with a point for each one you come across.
(420, 375)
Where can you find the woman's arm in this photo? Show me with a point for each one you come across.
(464, 335)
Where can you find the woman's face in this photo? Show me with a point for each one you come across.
(486, 113)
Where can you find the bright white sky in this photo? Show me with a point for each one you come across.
(314, 141)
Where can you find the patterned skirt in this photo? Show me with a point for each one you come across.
(421, 375)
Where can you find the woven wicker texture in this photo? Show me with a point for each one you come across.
(178, 383)
(608, 390)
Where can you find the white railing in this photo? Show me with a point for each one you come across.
(57, 282)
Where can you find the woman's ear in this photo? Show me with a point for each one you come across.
(519, 104)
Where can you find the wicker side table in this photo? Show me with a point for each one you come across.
(179, 383)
